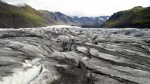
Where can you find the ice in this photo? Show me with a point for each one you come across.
(23, 75)
(72, 55)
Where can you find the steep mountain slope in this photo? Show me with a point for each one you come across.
(137, 17)
(26, 16)
(58, 17)
(12, 16)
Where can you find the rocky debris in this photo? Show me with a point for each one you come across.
(74, 56)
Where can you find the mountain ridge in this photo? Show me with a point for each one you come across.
(25, 16)
(137, 17)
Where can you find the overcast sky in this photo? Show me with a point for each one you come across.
(83, 7)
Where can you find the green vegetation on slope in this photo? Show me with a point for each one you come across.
(137, 17)
(11, 16)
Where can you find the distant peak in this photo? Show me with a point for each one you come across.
(58, 12)
(75, 17)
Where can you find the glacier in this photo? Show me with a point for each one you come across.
(72, 55)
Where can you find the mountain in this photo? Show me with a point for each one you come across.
(26, 16)
(57, 17)
(91, 21)
(63, 19)
(137, 17)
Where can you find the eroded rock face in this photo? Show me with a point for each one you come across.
(74, 56)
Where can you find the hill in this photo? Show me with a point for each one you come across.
(137, 17)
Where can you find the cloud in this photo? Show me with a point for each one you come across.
(83, 7)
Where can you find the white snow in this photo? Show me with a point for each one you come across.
(101, 18)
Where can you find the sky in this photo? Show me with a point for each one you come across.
(83, 7)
